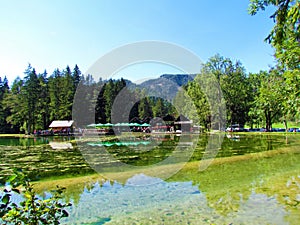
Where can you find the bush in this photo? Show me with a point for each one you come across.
(31, 210)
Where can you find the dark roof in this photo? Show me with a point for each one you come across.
(182, 118)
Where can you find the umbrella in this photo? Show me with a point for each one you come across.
(91, 125)
(134, 124)
(145, 125)
(122, 124)
(107, 125)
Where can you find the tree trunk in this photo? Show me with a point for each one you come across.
(28, 127)
(285, 125)
(268, 121)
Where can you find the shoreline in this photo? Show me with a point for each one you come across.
(16, 135)
(150, 134)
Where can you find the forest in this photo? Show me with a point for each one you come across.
(253, 99)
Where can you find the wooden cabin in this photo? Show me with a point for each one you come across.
(61, 126)
(184, 124)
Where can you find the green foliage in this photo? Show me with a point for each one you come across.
(200, 113)
(43, 115)
(144, 108)
(232, 86)
(32, 103)
(292, 80)
(100, 116)
(111, 91)
(62, 88)
(158, 108)
(31, 92)
(32, 209)
(252, 99)
(4, 112)
(14, 103)
(285, 35)
(269, 101)
(285, 38)
(254, 118)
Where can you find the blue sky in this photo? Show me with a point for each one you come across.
(54, 34)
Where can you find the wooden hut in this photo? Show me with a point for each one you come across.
(184, 124)
(61, 126)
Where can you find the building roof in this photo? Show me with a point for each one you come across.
(61, 123)
(184, 122)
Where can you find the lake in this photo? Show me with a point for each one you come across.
(166, 179)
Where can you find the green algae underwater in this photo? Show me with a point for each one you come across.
(258, 184)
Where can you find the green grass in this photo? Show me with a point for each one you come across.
(290, 125)
(15, 135)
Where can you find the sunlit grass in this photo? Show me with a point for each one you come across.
(15, 135)
(290, 125)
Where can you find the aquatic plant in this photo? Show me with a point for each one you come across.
(30, 209)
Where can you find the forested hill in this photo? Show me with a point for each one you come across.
(177, 79)
(180, 79)
(167, 84)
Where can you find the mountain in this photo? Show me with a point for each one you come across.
(180, 79)
(167, 85)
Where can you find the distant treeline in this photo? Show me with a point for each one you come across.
(33, 102)
(258, 99)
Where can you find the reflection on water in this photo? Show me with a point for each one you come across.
(60, 145)
(233, 137)
(255, 180)
(118, 143)
(262, 188)
(33, 141)
(15, 141)
(41, 157)
(167, 202)
(47, 156)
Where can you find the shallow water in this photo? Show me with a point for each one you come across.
(263, 189)
(171, 203)
(255, 180)
(63, 156)
(41, 157)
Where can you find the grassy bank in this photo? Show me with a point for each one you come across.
(16, 135)
(290, 125)
(281, 125)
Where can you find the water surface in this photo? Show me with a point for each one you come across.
(254, 180)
